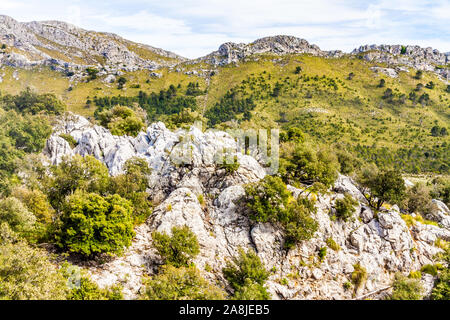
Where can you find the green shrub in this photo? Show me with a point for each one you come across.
(230, 167)
(418, 199)
(184, 283)
(121, 121)
(441, 290)
(30, 102)
(359, 275)
(132, 185)
(415, 275)
(251, 291)
(405, 288)
(91, 224)
(345, 208)
(333, 245)
(322, 253)
(430, 269)
(17, 216)
(83, 288)
(246, 274)
(381, 186)
(178, 249)
(307, 164)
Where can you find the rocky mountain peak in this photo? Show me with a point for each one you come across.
(232, 52)
(65, 46)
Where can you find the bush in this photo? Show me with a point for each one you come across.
(121, 121)
(270, 201)
(183, 283)
(35, 201)
(85, 173)
(27, 273)
(177, 249)
(30, 102)
(246, 275)
(418, 199)
(251, 291)
(17, 216)
(405, 288)
(333, 245)
(345, 208)
(91, 224)
(132, 185)
(381, 186)
(307, 165)
(70, 140)
(359, 275)
(430, 269)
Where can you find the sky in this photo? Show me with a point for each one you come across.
(194, 28)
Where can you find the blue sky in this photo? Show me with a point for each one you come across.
(193, 28)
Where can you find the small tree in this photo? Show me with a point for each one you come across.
(178, 249)
(345, 208)
(121, 82)
(298, 69)
(382, 83)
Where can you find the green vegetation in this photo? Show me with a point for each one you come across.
(121, 121)
(345, 207)
(26, 273)
(270, 201)
(167, 102)
(184, 283)
(405, 288)
(30, 102)
(177, 249)
(70, 140)
(91, 224)
(359, 276)
(246, 275)
(381, 186)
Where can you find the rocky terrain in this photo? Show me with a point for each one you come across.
(65, 47)
(382, 243)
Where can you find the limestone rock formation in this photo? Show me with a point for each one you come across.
(382, 244)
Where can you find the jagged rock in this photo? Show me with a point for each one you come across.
(383, 245)
(439, 213)
(45, 42)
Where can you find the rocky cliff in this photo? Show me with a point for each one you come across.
(232, 53)
(382, 243)
(67, 47)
